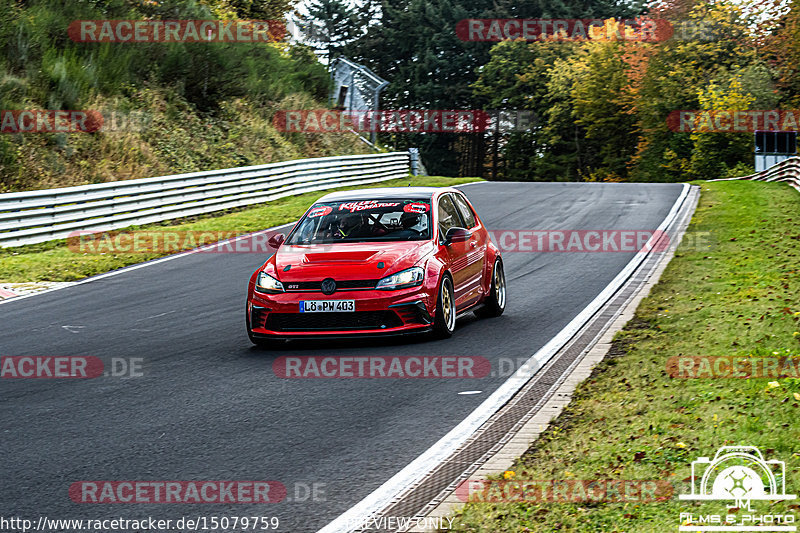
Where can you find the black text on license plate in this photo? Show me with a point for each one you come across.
(327, 306)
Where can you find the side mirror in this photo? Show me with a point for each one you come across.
(276, 240)
(456, 234)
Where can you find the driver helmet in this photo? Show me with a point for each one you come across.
(409, 220)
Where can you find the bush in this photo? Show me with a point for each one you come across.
(209, 105)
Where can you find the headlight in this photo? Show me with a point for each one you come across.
(410, 277)
(268, 284)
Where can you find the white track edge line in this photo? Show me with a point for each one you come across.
(429, 459)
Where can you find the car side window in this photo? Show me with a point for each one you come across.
(466, 211)
(448, 215)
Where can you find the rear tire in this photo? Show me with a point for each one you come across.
(495, 303)
(444, 323)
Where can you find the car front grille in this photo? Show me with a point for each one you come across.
(359, 320)
(343, 285)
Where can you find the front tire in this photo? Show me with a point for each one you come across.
(445, 321)
(495, 303)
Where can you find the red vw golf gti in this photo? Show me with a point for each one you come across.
(377, 262)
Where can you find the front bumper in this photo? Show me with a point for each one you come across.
(377, 313)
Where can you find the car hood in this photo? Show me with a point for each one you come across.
(346, 261)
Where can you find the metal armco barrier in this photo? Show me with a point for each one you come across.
(39, 216)
(787, 170)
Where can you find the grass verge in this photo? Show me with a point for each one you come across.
(54, 261)
(737, 296)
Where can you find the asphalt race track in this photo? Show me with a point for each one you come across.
(208, 405)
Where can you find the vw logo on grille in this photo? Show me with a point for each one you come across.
(328, 286)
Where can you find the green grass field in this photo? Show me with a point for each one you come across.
(736, 295)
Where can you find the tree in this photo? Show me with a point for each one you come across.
(677, 76)
(714, 153)
(780, 47)
(535, 77)
(330, 25)
(415, 47)
(599, 107)
(260, 9)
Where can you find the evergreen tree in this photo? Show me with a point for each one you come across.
(261, 9)
(331, 24)
(415, 47)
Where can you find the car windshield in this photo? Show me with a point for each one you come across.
(364, 220)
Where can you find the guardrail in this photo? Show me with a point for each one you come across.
(39, 216)
(787, 171)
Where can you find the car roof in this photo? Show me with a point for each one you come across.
(379, 193)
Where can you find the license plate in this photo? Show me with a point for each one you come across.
(327, 306)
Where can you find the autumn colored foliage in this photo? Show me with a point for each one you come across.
(603, 104)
